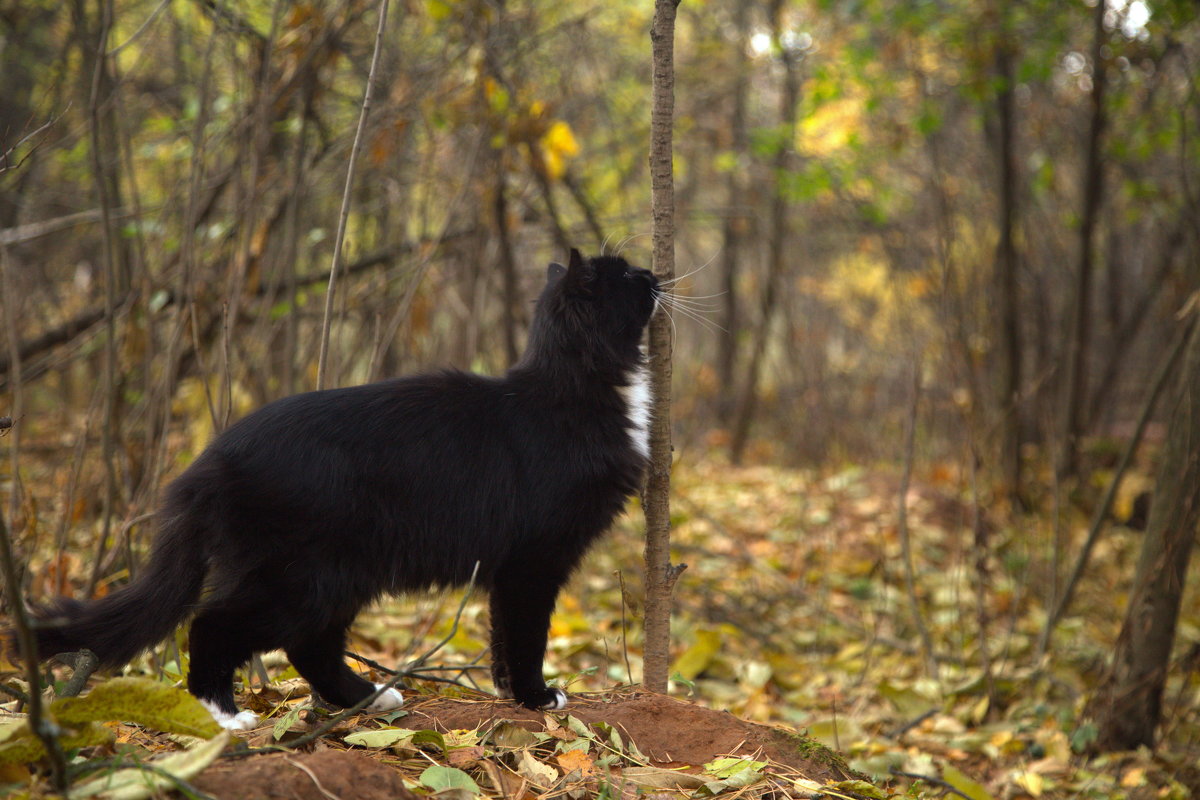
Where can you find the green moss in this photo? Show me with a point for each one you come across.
(813, 750)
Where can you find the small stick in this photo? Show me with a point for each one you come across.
(323, 355)
(82, 664)
(44, 727)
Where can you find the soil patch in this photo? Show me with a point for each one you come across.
(668, 731)
(303, 776)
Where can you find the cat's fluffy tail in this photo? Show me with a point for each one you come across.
(121, 625)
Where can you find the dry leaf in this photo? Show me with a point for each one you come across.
(576, 760)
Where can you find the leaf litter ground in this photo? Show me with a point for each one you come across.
(793, 613)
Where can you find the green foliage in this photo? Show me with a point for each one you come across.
(439, 778)
(139, 700)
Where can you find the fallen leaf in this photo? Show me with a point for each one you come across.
(132, 783)
(537, 773)
(576, 760)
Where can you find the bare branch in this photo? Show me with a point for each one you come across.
(322, 359)
(6, 157)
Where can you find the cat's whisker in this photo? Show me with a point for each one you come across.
(604, 245)
(625, 242)
(674, 331)
(690, 302)
(685, 275)
(697, 304)
(672, 306)
(708, 325)
(700, 296)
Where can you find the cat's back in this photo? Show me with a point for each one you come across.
(367, 414)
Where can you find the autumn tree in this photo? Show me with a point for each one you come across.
(1130, 702)
(660, 573)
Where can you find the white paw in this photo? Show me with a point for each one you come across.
(559, 702)
(241, 721)
(386, 701)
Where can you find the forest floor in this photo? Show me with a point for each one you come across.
(799, 669)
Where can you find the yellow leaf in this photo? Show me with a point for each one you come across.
(23, 746)
(561, 139)
(576, 760)
(143, 701)
(696, 658)
(1032, 783)
(1134, 778)
(967, 787)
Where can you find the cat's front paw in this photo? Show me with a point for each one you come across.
(548, 699)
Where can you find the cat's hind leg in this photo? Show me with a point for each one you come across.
(220, 643)
(320, 660)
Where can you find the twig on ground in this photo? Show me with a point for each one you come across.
(930, 780)
(42, 726)
(418, 672)
(896, 733)
(82, 664)
(910, 580)
(312, 775)
(624, 630)
(14, 693)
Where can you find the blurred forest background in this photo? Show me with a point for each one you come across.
(940, 256)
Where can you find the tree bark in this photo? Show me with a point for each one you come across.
(736, 220)
(660, 573)
(789, 97)
(1129, 704)
(508, 265)
(1075, 388)
(1008, 320)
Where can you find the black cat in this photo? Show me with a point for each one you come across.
(313, 506)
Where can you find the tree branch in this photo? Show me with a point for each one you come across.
(323, 355)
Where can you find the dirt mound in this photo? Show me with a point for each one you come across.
(303, 776)
(668, 732)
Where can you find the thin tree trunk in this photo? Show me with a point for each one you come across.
(736, 220)
(114, 284)
(1008, 323)
(1129, 703)
(1075, 388)
(660, 573)
(508, 265)
(790, 96)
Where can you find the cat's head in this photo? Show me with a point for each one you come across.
(596, 308)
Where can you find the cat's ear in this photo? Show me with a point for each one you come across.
(574, 261)
(579, 274)
(555, 271)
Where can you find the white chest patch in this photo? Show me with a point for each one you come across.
(637, 410)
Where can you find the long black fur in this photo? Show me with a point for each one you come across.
(316, 504)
